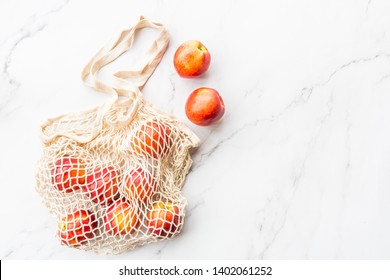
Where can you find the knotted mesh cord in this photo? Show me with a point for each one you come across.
(112, 175)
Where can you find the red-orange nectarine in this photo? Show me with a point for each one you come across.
(204, 106)
(102, 185)
(163, 219)
(139, 185)
(68, 174)
(152, 139)
(76, 228)
(191, 59)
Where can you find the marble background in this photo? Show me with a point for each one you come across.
(299, 168)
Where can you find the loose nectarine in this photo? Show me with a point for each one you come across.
(204, 106)
(191, 59)
(76, 228)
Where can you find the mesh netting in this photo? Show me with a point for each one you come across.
(114, 182)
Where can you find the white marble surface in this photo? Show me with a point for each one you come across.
(299, 168)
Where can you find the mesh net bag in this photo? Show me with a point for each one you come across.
(112, 175)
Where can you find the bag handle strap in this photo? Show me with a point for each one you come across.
(120, 87)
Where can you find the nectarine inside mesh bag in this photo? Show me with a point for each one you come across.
(112, 175)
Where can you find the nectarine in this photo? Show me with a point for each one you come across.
(204, 106)
(139, 185)
(121, 218)
(191, 59)
(68, 174)
(163, 219)
(152, 139)
(102, 185)
(76, 228)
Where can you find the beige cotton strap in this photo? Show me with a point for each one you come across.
(130, 91)
(116, 112)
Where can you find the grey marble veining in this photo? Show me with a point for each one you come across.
(297, 169)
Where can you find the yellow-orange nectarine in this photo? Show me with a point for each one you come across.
(121, 218)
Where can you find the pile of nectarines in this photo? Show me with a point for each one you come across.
(126, 197)
(129, 200)
(204, 105)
